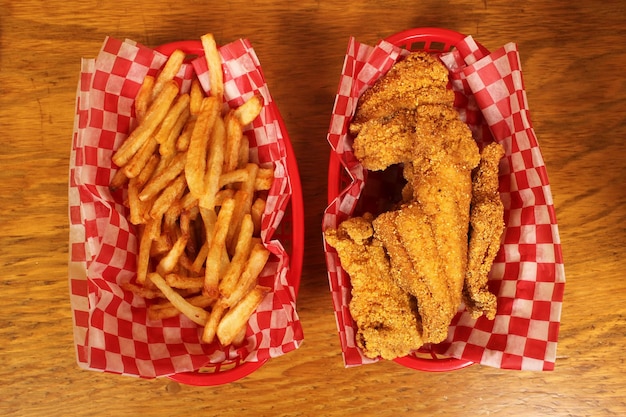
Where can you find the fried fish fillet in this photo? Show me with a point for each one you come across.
(487, 226)
(417, 267)
(417, 79)
(386, 316)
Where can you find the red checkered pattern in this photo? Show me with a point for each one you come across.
(528, 275)
(111, 330)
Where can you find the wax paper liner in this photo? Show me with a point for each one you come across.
(111, 330)
(528, 274)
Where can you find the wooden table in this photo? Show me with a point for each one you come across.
(573, 56)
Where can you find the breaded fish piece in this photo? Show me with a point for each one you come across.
(418, 78)
(386, 316)
(417, 266)
(387, 140)
(486, 228)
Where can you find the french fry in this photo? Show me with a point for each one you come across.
(237, 317)
(172, 192)
(210, 328)
(168, 262)
(169, 71)
(234, 133)
(264, 179)
(185, 282)
(166, 309)
(231, 177)
(154, 116)
(168, 147)
(238, 262)
(243, 199)
(196, 314)
(214, 63)
(255, 264)
(240, 338)
(249, 110)
(134, 204)
(163, 178)
(144, 97)
(140, 159)
(244, 152)
(118, 180)
(256, 212)
(195, 166)
(143, 291)
(214, 165)
(178, 107)
(216, 249)
(196, 95)
(143, 258)
(182, 143)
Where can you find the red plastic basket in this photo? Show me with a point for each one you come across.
(290, 233)
(433, 40)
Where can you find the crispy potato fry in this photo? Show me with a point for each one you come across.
(169, 261)
(216, 249)
(144, 97)
(264, 179)
(166, 309)
(255, 264)
(143, 258)
(172, 192)
(118, 180)
(195, 166)
(182, 143)
(237, 317)
(234, 133)
(143, 291)
(249, 110)
(243, 198)
(163, 178)
(169, 71)
(214, 166)
(168, 147)
(240, 338)
(140, 159)
(196, 96)
(154, 116)
(214, 63)
(256, 212)
(178, 107)
(231, 177)
(238, 262)
(217, 312)
(195, 314)
(188, 283)
(244, 152)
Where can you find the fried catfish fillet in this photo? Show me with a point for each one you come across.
(386, 316)
(418, 267)
(486, 228)
(417, 79)
(387, 122)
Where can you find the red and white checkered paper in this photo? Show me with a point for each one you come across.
(528, 274)
(111, 330)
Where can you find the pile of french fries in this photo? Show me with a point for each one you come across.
(196, 200)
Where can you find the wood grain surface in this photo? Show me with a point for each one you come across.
(573, 56)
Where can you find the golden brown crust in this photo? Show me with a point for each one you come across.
(487, 225)
(385, 315)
